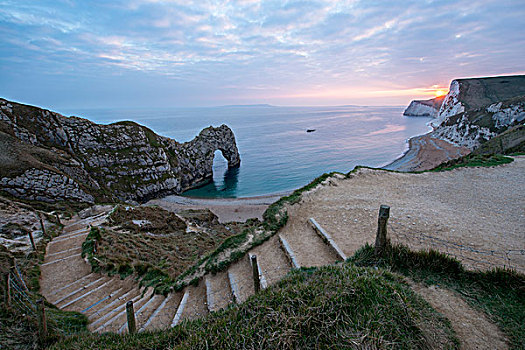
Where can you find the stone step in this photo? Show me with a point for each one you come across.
(93, 296)
(196, 305)
(114, 307)
(96, 309)
(325, 236)
(289, 252)
(181, 308)
(62, 259)
(80, 290)
(119, 294)
(163, 315)
(241, 280)
(69, 287)
(119, 319)
(65, 236)
(69, 243)
(218, 291)
(76, 222)
(62, 254)
(272, 261)
(308, 247)
(143, 313)
(85, 299)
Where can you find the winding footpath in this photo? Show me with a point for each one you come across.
(467, 212)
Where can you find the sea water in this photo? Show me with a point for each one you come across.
(277, 152)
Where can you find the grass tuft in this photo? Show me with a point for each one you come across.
(499, 293)
(341, 306)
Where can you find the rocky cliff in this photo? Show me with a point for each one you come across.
(424, 108)
(48, 157)
(476, 110)
(472, 94)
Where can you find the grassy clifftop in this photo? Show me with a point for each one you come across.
(330, 307)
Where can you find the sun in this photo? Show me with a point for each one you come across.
(440, 92)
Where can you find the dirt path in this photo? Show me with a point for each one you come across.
(226, 209)
(472, 327)
(474, 214)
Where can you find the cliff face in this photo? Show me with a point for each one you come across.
(476, 110)
(475, 127)
(424, 108)
(472, 94)
(49, 157)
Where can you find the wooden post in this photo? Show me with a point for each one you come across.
(132, 326)
(8, 289)
(42, 224)
(381, 238)
(31, 239)
(42, 324)
(255, 270)
(58, 219)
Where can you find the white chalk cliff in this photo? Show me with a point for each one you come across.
(476, 110)
(424, 108)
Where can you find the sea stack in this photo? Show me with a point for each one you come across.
(424, 108)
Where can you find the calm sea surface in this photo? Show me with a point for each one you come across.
(277, 154)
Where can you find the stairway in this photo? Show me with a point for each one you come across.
(67, 280)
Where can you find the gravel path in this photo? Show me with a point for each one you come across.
(473, 328)
(475, 214)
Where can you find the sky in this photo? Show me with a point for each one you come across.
(183, 53)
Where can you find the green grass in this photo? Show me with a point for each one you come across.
(499, 293)
(18, 328)
(341, 307)
(162, 252)
(275, 217)
(474, 161)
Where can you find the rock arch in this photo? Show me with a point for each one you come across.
(197, 168)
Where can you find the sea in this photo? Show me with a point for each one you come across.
(277, 153)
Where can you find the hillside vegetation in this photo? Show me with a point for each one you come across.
(341, 306)
(153, 243)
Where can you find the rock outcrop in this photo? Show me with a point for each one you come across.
(48, 157)
(476, 110)
(480, 116)
(16, 222)
(472, 94)
(424, 108)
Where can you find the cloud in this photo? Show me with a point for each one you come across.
(291, 46)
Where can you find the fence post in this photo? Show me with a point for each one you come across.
(381, 238)
(8, 288)
(58, 219)
(255, 270)
(42, 225)
(42, 324)
(31, 239)
(132, 326)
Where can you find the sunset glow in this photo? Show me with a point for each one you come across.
(169, 53)
(440, 92)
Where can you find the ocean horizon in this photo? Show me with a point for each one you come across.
(277, 153)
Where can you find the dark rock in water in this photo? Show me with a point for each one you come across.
(310, 130)
(45, 156)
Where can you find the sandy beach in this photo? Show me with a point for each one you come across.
(227, 209)
(425, 152)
